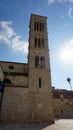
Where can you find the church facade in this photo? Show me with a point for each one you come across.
(27, 95)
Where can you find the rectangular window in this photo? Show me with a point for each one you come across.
(40, 83)
(11, 67)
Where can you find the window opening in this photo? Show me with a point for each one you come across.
(11, 67)
(39, 43)
(42, 62)
(37, 26)
(42, 26)
(40, 83)
(34, 25)
(7, 81)
(43, 43)
(36, 61)
(35, 42)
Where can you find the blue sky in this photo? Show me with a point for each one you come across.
(14, 34)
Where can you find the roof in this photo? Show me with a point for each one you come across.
(67, 94)
(13, 62)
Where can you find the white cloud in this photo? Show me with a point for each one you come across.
(52, 1)
(71, 1)
(70, 12)
(66, 51)
(70, 9)
(62, 1)
(19, 45)
(11, 39)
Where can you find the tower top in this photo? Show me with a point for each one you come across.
(39, 22)
(35, 15)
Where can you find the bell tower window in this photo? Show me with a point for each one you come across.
(34, 25)
(37, 26)
(42, 26)
(35, 42)
(43, 43)
(36, 61)
(42, 62)
(39, 43)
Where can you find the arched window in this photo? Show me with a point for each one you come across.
(35, 42)
(42, 26)
(7, 81)
(39, 43)
(43, 43)
(37, 26)
(42, 62)
(36, 61)
(34, 25)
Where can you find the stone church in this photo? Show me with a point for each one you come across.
(27, 95)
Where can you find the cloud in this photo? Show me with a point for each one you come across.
(51, 1)
(70, 12)
(71, 1)
(11, 39)
(63, 1)
(60, 1)
(66, 51)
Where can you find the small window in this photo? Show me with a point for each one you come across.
(11, 67)
(39, 82)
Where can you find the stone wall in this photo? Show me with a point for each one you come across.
(14, 104)
(19, 104)
(14, 67)
(63, 104)
(1, 73)
(18, 80)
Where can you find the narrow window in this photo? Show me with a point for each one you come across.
(35, 42)
(43, 43)
(42, 26)
(42, 62)
(34, 25)
(36, 61)
(39, 43)
(37, 26)
(40, 84)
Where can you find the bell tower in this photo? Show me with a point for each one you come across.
(40, 91)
